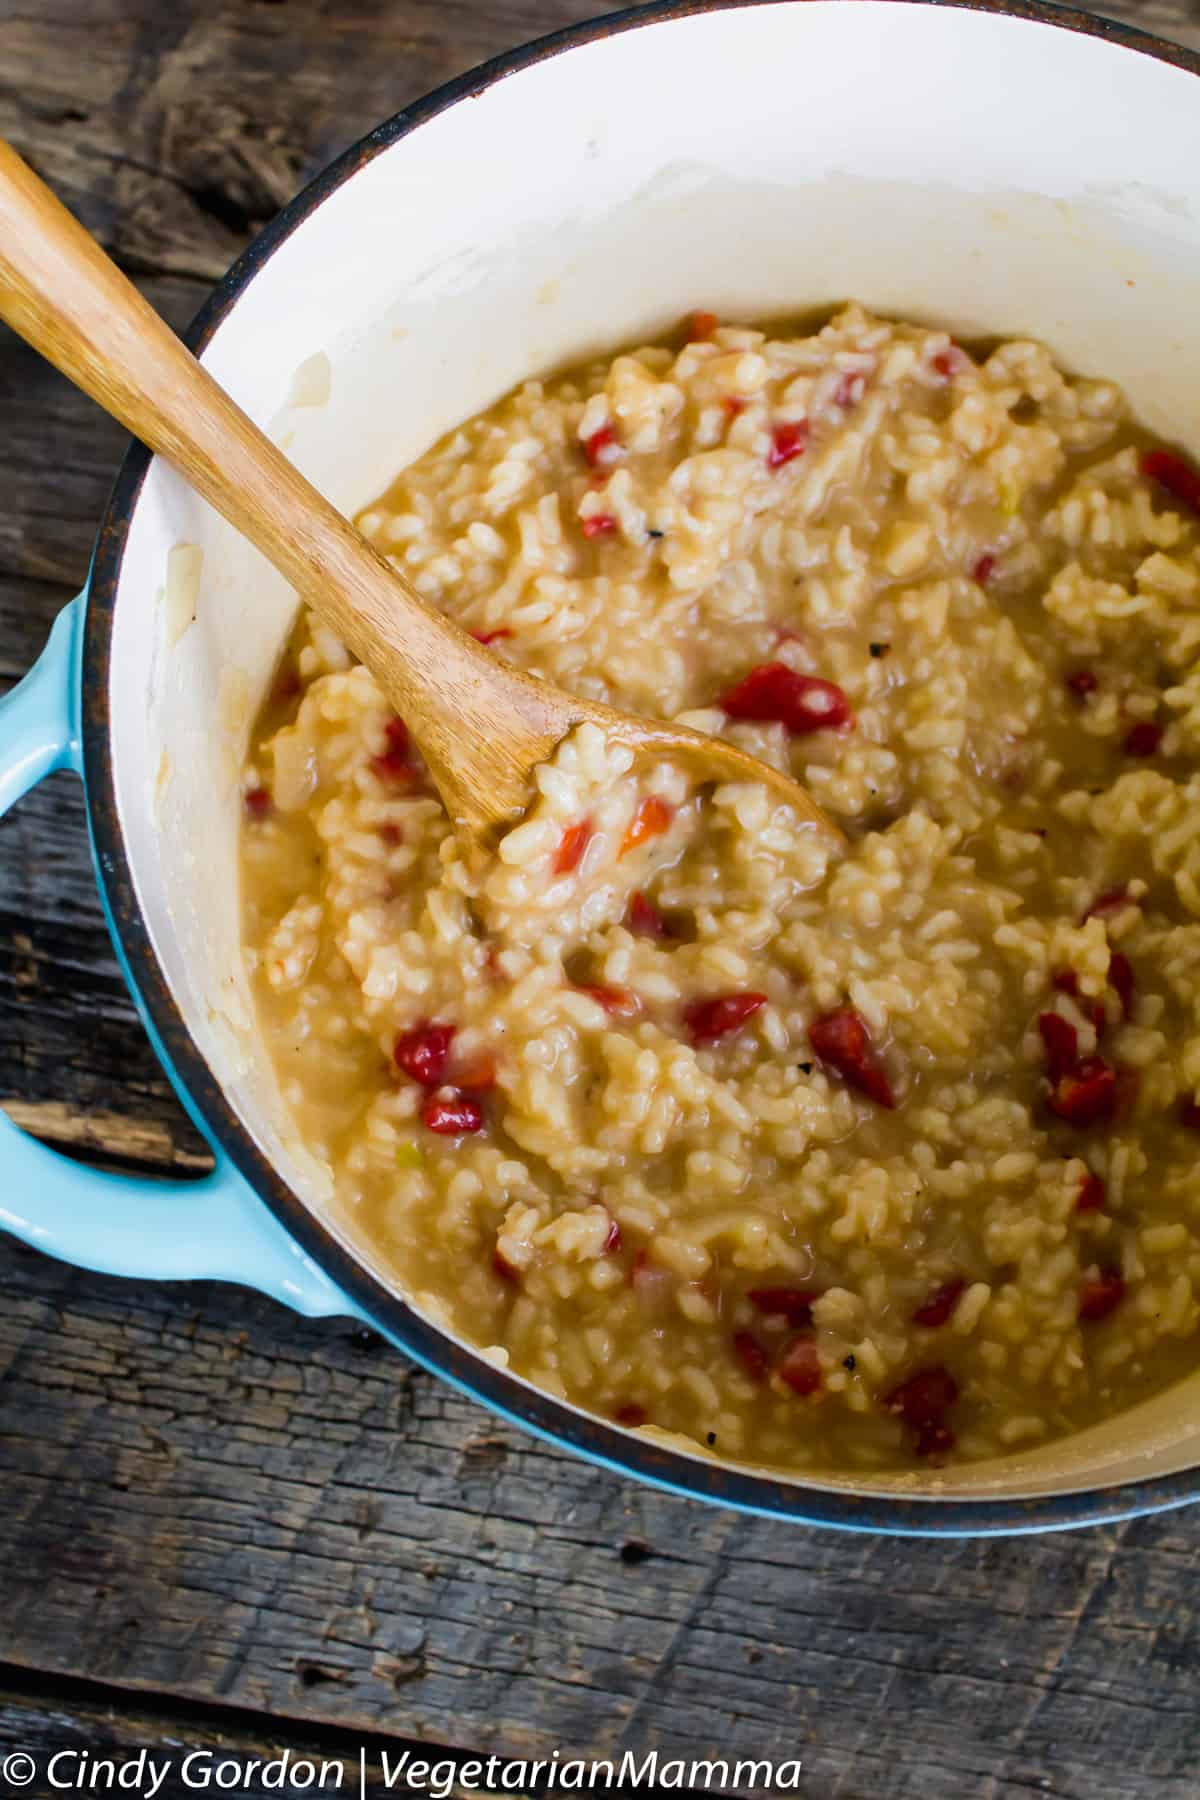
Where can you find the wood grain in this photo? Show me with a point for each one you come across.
(221, 1519)
(208, 1498)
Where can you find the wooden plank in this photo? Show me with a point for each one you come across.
(71, 1728)
(205, 1497)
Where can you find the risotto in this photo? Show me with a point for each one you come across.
(825, 1158)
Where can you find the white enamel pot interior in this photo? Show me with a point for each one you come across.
(992, 173)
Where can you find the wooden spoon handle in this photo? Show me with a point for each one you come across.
(62, 293)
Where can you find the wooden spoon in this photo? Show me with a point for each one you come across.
(481, 725)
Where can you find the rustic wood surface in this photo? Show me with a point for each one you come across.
(221, 1523)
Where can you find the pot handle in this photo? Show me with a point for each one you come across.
(215, 1228)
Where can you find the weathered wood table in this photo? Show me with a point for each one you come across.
(222, 1524)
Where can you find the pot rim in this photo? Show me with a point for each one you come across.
(625, 1453)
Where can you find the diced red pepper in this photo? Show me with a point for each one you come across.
(720, 1016)
(800, 1367)
(984, 569)
(734, 406)
(490, 637)
(792, 1304)
(504, 1269)
(1143, 739)
(257, 803)
(751, 1355)
(924, 1398)
(774, 693)
(701, 325)
(621, 1003)
(1100, 1295)
(612, 1242)
(1180, 478)
(571, 846)
(631, 1415)
(1061, 1043)
(1088, 1095)
(950, 362)
(394, 764)
(1121, 980)
(1091, 1195)
(1081, 683)
(1113, 900)
(598, 525)
(602, 448)
(650, 820)
(787, 442)
(424, 1052)
(843, 1043)
(939, 1307)
(454, 1115)
(644, 918)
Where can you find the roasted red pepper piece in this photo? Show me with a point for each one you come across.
(1111, 901)
(612, 1242)
(701, 326)
(1061, 1043)
(394, 764)
(984, 569)
(1081, 683)
(787, 442)
(644, 918)
(751, 1355)
(1099, 1295)
(1121, 980)
(1091, 1195)
(424, 1052)
(1087, 1095)
(776, 694)
(939, 1307)
(1175, 474)
(842, 1042)
(800, 1366)
(720, 1016)
(490, 637)
(1143, 739)
(793, 1304)
(651, 819)
(631, 1415)
(923, 1399)
(602, 448)
(598, 525)
(950, 362)
(257, 803)
(453, 1115)
(571, 846)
